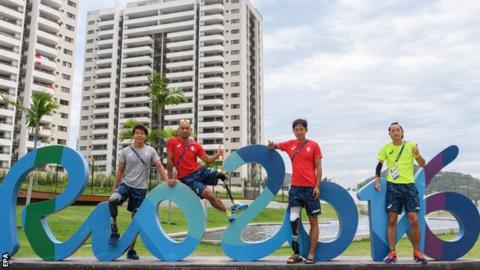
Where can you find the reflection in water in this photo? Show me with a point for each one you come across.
(328, 229)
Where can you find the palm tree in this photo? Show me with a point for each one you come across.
(153, 135)
(42, 104)
(162, 96)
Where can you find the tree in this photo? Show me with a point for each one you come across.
(153, 135)
(161, 96)
(42, 104)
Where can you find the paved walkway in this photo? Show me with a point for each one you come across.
(220, 262)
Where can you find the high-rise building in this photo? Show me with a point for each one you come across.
(37, 44)
(211, 49)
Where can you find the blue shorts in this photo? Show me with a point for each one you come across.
(135, 196)
(303, 197)
(402, 196)
(199, 179)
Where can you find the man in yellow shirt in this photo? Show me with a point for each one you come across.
(401, 190)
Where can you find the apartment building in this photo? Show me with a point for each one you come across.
(211, 49)
(37, 44)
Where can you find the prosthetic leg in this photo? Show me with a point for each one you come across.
(113, 203)
(295, 222)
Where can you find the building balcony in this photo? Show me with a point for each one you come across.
(180, 106)
(211, 124)
(212, 38)
(145, 59)
(8, 83)
(46, 50)
(141, 109)
(176, 117)
(212, 70)
(105, 52)
(138, 51)
(40, 88)
(9, 55)
(209, 102)
(213, 80)
(211, 91)
(137, 70)
(104, 80)
(181, 35)
(47, 37)
(51, 13)
(103, 61)
(211, 113)
(187, 84)
(101, 110)
(104, 35)
(181, 45)
(135, 89)
(99, 101)
(136, 79)
(187, 55)
(9, 41)
(212, 48)
(180, 64)
(143, 120)
(139, 41)
(44, 77)
(45, 132)
(47, 119)
(214, 18)
(105, 42)
(104, 71)
(100, 131)
(177, 16)
(48, 25)
(100, 121)
(212, 29)
(216, 135)
(10, 13)
(134, 100)
(5, 112)
(6, 127)
(212, 8)
(179, 75)
(5, 142)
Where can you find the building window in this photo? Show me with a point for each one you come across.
(85, 108)
(72, 4)
(235, 11)
(67, 51)
(64, 115)
(83, 148)
(64, 102)
(70, 15)
(62, 128)
(68, 39)
(61, 141)
(235, 84)
(235, 63)
(91, 22)
(235, 1)
(84, 117)
(235, 21)
(66, 77)
(235, 31)
(86, 98)
(235, 106)
(233, 140)
(235, 117)
(65, 89)
(235, 95)
(235, 52)
(236, 41)
(84, 128)
(235, 73)
(67, 64)
(69, 27)
(236, 128)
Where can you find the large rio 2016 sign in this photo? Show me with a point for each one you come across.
(146, 222)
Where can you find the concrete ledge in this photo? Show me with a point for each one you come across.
(216, 263)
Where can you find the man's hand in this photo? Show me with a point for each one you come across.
(378, 187)
(171, 182)
(316, 192)
(272, 144)
(219, 151)
(416, 151)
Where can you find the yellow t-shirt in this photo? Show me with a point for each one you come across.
(389, 153)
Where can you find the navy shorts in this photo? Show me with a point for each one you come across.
(303, 197)
(199, 179)
(402, 196)
(135, 196)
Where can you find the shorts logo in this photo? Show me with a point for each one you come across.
(315, 211)
(293, 148)
(389, 206)
(308, 149)
(192, 148)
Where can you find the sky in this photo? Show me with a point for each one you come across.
(352, 67)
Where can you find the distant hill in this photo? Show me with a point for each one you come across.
(448, 181)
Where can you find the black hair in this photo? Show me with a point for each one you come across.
(302, 122)
(395, 124)
(141, 127)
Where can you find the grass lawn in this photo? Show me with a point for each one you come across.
(66, 222)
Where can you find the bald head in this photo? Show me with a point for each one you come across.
(184, 129)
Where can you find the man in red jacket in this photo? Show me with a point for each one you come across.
(305, 188)
(182, 153)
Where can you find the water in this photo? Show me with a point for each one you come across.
(328, 229)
